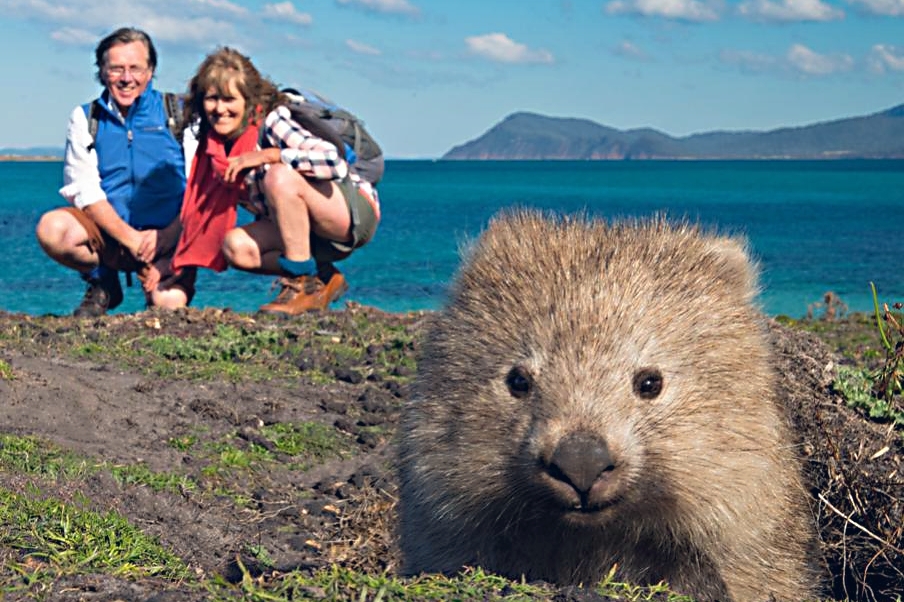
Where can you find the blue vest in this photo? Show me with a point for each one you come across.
(142, 169)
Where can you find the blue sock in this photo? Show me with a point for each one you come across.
(97, 273)
(297, 268)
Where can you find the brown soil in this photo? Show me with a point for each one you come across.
(342, 511)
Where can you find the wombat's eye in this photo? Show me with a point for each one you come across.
(519, 382)
(648, 383)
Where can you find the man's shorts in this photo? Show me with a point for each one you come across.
(364, 225)
(114, 256)
(111, 253)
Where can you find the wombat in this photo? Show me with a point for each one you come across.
(600, 395)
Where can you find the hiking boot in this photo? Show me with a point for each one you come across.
(103, 294)
(306, 293)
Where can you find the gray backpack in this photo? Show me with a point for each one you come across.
(325, 119)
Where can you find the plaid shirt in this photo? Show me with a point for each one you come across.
(304, 152)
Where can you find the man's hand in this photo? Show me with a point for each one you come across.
(148, 245)
(143, 245)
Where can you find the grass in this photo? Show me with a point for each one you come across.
(338, 583)
(228, 351)
(226, 462)
(45, 538)
(27, 455)
(875, 390)
(889, 381)
(6, 371)
(233, 457)
(872, 380)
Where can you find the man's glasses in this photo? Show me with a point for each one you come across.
(117, 72)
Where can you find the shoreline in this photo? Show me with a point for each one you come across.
(30, 158)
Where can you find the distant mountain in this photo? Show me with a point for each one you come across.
(523, 136)
(34, 151)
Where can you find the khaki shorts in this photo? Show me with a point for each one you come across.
(364, 225)
(116, 257)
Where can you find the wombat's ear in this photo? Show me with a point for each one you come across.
(737, 267)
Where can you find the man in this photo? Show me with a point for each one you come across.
(125, 184)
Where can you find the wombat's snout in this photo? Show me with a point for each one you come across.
(581, 466)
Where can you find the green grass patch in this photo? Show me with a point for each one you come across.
(255, 350)
(63, 539)
(228, 352)
(183, 443)
(311, 441)
(856, 385)
(140, 474)
(474, 584)
(6, 371)
(307, 443)
(31, 456)
(27, 455)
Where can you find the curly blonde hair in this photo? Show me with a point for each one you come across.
(217, 71)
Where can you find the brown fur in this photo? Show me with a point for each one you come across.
(542, 371)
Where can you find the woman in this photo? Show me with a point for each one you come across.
(311, 209)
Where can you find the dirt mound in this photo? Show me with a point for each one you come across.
(237, 497)
(854, 468)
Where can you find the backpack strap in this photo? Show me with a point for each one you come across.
(92, 112)
(173, 105)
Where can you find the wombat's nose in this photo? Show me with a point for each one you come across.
(580, 460)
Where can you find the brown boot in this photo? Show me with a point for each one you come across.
(103, 294)
(306, 293)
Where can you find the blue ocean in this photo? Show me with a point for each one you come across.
(814, 227)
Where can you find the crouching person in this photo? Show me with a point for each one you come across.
(311, 208)
(125, 178)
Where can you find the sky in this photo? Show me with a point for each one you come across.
(427, 75)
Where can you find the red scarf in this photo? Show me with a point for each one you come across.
(209, 207)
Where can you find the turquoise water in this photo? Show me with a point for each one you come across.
(814, 227)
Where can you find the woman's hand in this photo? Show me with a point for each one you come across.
(238, 165)
(150, 277)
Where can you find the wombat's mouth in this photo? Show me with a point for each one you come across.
(594, 501)
(587, 514)
(594, 508)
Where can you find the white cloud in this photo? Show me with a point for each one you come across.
(884, 58)
(74, 36)
(890, 8)
(400, 7)
(750, 62)
(681, 10)
(630, 50)
(201, 22)
(500, 48)
(789, 10)
(222, 6)
(809, 62)
(285, 11)
(40, 8)
(362, 48)
(799, 61)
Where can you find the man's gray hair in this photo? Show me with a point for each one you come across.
(123, 35)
